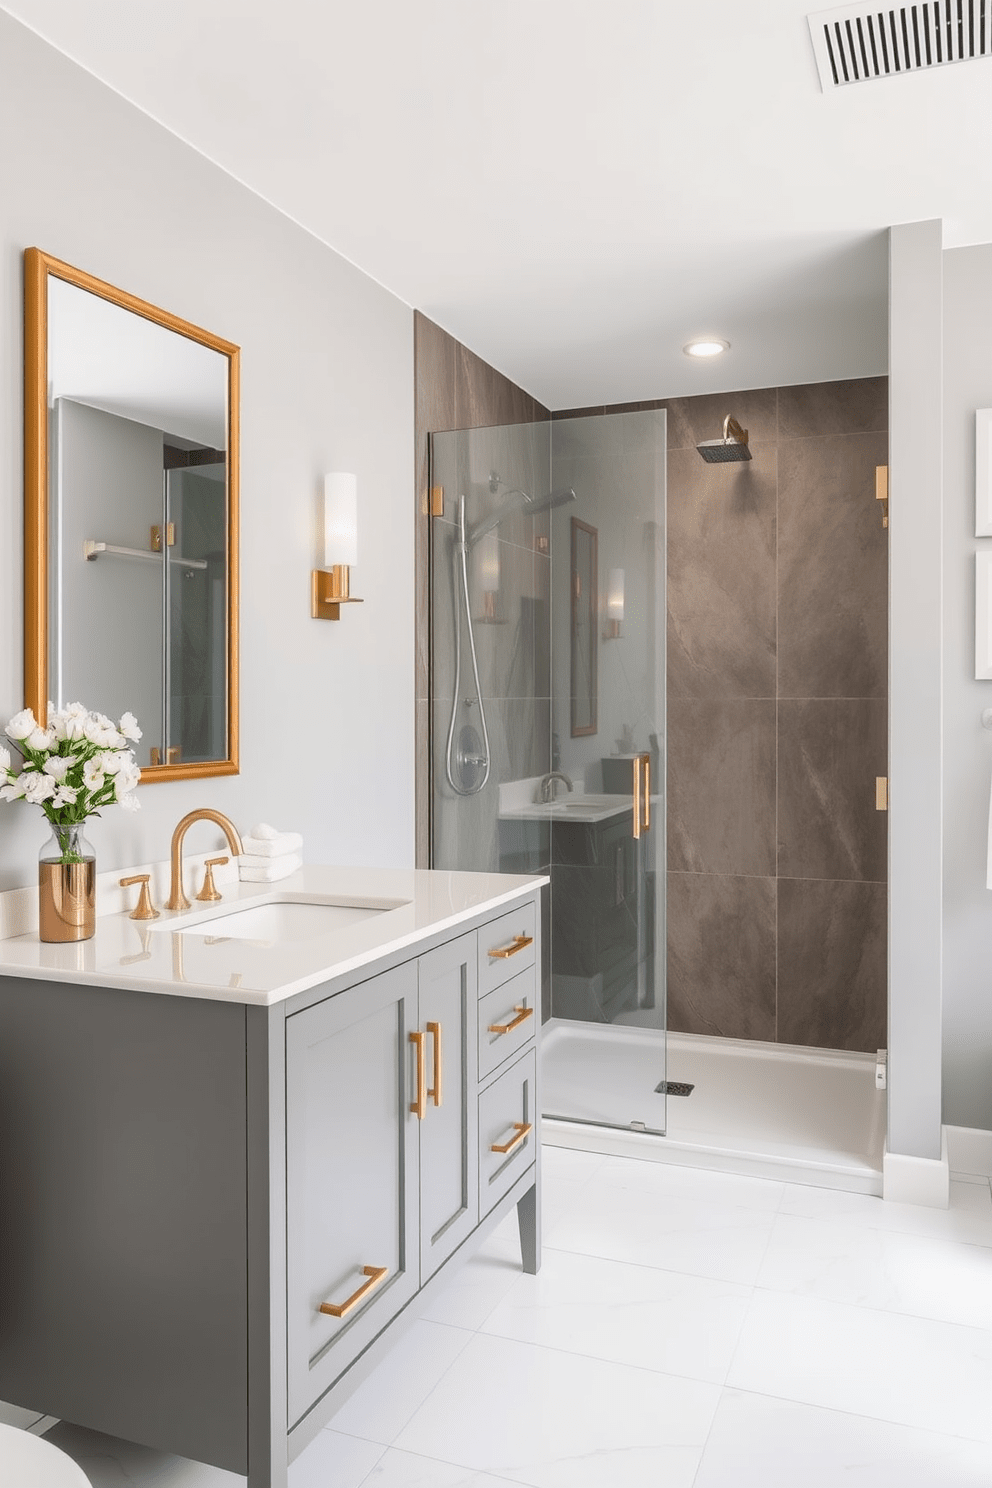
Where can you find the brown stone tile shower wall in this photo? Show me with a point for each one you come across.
(777, 717)
(777, 709)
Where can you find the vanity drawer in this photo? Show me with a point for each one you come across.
(507, 1119)
(507, 1021)
(506, 947)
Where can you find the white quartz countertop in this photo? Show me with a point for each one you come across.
(183, 954)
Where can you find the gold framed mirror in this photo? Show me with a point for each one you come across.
(131, 423)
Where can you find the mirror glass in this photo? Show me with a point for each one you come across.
(131, 538)
(585, 634)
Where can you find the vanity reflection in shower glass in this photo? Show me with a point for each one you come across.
(548, 710)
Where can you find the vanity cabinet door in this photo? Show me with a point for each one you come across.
(351, 1176)
(449, 1184)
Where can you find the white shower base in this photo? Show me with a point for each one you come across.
(768, 1110)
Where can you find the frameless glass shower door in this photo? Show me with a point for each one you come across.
(548, 727)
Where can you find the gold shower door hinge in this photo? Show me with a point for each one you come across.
(881, 793)
(437, 501)
(170, 537)
(882, 491)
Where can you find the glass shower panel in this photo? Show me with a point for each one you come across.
(196, 607)
(608, 732)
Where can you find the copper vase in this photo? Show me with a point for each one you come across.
(66, 887)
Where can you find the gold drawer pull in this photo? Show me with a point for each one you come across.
(522, 1129)
(519, 943)
(419, 1106)
(523, 1013)
(434, 1029)
(375, 1275)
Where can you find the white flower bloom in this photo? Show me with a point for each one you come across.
(126, 781)
(110, 761)
(57, 766)
(40, 739)
(69, 726)
(13, 791)
(4, 760)
(129, 726)
(130, 803)
(21, 725)
(64, 796)
(37, 787)
(93, 776)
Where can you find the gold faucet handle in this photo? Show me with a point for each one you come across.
(209, 890)
(145, 909)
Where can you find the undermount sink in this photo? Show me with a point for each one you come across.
(279, 920)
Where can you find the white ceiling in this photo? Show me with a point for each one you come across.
(572, 187)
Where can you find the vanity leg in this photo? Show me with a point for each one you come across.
(529, 1225)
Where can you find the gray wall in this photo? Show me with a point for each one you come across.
(327, 384)
(967, 906)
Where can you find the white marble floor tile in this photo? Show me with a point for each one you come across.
(648, 1227)
(913, 1274)
(334, 1459)
(684, 1325)
(407, 1470)
(696, 1185)
(383, 1403)
(756, 1442)
(935, 1376)
(467, 1298)
(570, 1163)
(556, 1420)
(968, 1218)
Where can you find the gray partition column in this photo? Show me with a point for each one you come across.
(914, 1170)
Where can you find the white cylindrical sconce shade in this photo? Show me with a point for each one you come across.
(614, 595)
(488, 563)
(340, 519)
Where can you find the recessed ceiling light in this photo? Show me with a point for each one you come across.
(706, 346)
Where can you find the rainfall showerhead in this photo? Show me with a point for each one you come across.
(518, 501)
(731, 448)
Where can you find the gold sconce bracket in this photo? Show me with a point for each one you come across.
(882, 491)
(329, 591)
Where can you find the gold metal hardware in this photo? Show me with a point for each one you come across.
(39, 269)
(177, 897)
(881, 793)
(434, 1029)
(156, 537)
(174, 754)
(437, 501)
(145, 909)
(67, 901)
(647, 792)
(209, 890)
(523, 1013)
(419, 1106)
(882, 491)
(375, 1274)
(519, 943)
(637, 794)
(522, 1129)
(154, 755)
(329, 591)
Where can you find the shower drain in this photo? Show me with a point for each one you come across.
(674, 1087)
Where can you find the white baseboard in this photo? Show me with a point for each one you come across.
(969, 1150)
(917, 1180)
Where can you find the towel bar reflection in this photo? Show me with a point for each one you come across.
(93, 550)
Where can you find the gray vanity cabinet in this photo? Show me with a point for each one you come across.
(351, 1177)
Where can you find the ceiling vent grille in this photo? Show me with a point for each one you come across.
(856, 42)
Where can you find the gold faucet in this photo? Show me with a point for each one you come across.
(177, 898)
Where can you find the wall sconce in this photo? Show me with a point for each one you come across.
(614, 605)
(330, 586)
(487, 574)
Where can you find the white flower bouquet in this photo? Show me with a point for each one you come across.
(78, 764)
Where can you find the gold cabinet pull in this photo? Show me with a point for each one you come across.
(637, 794)
(434, 1029)
(647, 793)
(519, 943)
(375, 1274)
(522, 1129)
(523, 1013)
(419, 1106)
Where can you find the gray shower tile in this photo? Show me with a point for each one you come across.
(832, 568)
(721, 576)
(721, 786)
(832, 964)
(721, 955)
(854, 406)
(829, 754)
(691, 420)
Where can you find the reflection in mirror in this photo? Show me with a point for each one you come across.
(131, 518)
(585, 631)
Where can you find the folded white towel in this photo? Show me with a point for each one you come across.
(272, 871)
(264, 841)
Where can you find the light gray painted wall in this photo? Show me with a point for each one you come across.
(967, 746)
(327, 384)
(915, 624)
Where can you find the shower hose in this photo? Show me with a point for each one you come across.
(461, 597)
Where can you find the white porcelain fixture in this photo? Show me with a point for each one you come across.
(28, 1461)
